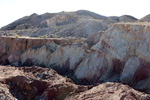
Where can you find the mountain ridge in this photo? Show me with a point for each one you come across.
(81, 23)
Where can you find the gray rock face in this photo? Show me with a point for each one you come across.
(130, 68)
(127, 18)
(123, 18)
(27, 22)
(92, 14)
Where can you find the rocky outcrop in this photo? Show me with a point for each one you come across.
(35, 83)
(120, 55)
(129, 44)
(4, 93)
(12, 47)
(110, 91)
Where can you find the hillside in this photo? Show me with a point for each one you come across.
(145, 19)
(101, 64)
(80, 23)
(86, 57)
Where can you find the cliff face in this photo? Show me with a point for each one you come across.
(129, 43)
(121, 55)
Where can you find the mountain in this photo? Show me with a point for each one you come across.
(80, 23)
(111, 63)
(145, 19)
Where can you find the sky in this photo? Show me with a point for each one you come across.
(11, 10)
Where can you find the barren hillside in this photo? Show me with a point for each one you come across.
(111, 63)
(81, 23)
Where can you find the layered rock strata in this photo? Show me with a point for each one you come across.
(120, 55)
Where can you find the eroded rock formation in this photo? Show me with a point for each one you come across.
(110, 91)
(120, 55)
(36, 83)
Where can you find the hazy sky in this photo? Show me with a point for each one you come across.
(11, 10)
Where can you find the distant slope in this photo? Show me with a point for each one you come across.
(92, 14)
(81, 23)
(145, 19)
(123, 18)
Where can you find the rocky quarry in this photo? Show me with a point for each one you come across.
(111, 64)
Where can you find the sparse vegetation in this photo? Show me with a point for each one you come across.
(76, 24)
(43, 36)
(53, 36)
(17, 36)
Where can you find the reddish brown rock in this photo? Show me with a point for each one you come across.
(110, 91)
(35, 83)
